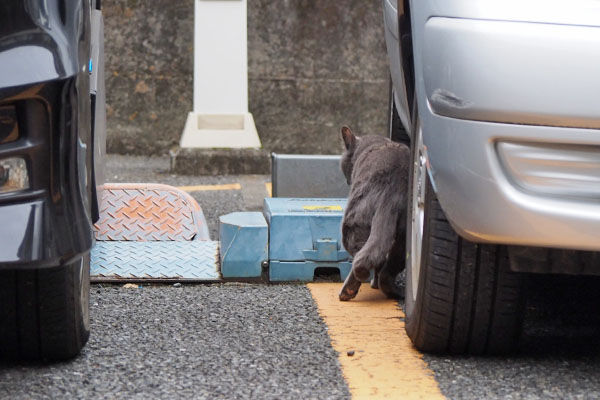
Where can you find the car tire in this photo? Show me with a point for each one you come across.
(45, 312)
(461, 297)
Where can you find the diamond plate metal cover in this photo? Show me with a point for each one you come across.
(149, 212)
(194, 260)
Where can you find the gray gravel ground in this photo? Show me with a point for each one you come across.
(219, 341)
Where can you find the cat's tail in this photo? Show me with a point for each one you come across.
(381, 239)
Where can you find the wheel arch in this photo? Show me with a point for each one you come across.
(406, 53)
(398, 23)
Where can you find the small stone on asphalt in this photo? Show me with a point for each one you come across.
(130, 286)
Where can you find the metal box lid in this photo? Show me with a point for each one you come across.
(308, 176)
(305, 229)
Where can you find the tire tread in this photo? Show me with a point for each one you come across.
(41, 314)
(472, 303)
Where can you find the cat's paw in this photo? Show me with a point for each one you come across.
(347, 294)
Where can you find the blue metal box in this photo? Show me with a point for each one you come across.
(305, 234)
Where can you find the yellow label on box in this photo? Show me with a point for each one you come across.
(322, 208)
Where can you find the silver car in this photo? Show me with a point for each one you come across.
(500, 103)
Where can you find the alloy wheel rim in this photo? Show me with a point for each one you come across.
(84, 292)
(417, 210)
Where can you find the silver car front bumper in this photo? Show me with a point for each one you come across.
(511, 118)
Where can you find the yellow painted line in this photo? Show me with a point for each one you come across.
(269, 187)
(203, 188)
(385, 365)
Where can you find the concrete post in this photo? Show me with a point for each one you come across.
(220, 118)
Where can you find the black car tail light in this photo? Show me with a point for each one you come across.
(9, 127)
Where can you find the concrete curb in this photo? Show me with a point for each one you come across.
(220, 161)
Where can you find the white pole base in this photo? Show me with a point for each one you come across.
(210, 131)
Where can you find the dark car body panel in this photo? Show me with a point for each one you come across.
(44, 75)
(32, 32)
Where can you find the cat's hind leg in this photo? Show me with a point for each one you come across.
(375, 280)
(394, 264)
(379, 243)
(350, 288)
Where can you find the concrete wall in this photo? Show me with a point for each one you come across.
(313, 66)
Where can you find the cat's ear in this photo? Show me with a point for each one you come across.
(349, 138)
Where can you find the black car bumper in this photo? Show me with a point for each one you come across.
(30, 239)
(49, 222)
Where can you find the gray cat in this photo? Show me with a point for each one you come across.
(374, 225)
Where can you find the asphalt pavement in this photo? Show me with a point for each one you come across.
(222, 341)
(267, 341)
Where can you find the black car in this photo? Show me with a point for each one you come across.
(52, 135)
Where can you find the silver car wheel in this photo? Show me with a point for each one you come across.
(417, 209)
